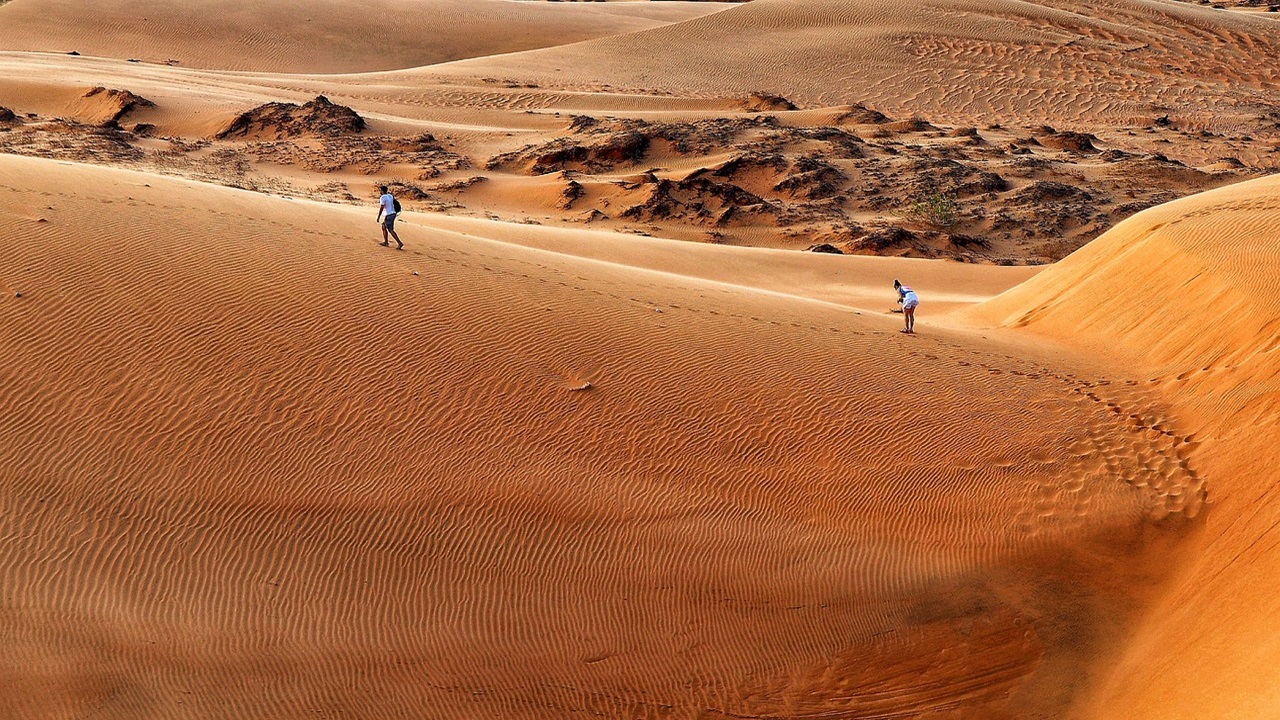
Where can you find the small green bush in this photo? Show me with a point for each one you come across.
(936, 209)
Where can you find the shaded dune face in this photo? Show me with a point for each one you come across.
(1187, 294)
(1113, 61)
(250, 465)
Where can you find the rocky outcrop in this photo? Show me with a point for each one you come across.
(278, 121)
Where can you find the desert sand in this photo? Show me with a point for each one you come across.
(604, 440)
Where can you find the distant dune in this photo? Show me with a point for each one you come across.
(318, 36)
(1122, 61)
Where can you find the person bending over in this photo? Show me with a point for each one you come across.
(909, 301)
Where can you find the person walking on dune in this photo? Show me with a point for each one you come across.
(388, 209)
(909, 301)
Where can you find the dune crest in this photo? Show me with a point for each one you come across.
(1189, 294)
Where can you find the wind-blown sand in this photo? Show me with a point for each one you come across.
(600, 441)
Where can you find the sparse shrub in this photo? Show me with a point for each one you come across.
(935, 209)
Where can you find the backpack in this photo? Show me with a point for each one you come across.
(395, 204)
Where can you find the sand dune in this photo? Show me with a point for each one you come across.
(845, 176)
(322, 36)
(541, 464)
(242, 441)
(1119, 61)
(1187, 293)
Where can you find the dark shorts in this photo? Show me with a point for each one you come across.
(389, 222)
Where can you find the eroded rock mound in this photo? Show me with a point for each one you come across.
(1070, 141)
(278, 121)
(767, 102)
(859, 114)
(698, 199)
(104, 106)
(825, 248)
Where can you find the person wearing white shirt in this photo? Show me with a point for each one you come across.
(909, 300)
(387, 216)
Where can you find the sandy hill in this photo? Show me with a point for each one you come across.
(1090, 61)
(252, 464)
(1189, 294)
(327, 36)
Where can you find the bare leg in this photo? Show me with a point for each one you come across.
(384, 237)
(910, 316)
(399, 245)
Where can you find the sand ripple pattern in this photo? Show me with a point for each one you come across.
(1201, 336)
(1065, 61)
(251, 465)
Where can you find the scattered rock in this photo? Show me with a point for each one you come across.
(7, 115)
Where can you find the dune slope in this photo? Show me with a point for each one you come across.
(1189, 294)
(1118, 61)
(326, 36)
(251, 465)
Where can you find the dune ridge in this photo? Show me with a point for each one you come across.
(1187, 293)
(548, 485)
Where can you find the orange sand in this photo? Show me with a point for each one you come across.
(319, 36)
(254, 465)
(242, 438)
(1187, 294)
